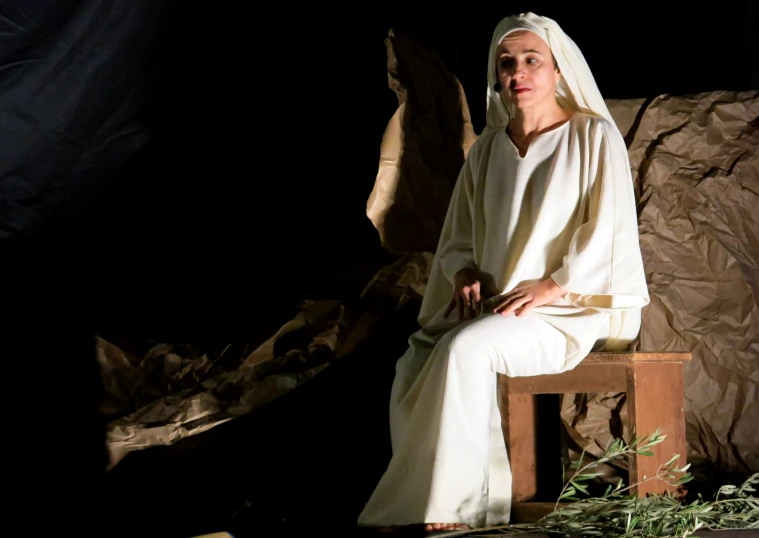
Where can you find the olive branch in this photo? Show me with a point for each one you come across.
(618, 514)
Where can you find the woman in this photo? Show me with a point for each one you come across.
(538, 263)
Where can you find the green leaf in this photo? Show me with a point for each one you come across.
(585, 477)
(685, 479)
(676, 456)
(620, 514)
(580, 487)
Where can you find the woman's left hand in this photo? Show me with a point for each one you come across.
(522, 299)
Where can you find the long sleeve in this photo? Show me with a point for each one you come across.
(455, 247)
(603, 267)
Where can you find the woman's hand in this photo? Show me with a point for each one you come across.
(522, 299)
(466, 294)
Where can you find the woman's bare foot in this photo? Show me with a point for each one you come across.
(430, 527)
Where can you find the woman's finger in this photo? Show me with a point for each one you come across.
(507, 300)
(515, 291)
(474, 305)
(514, 305)
(521, 311)
(476, 292)
(500, 306)
(467, 313)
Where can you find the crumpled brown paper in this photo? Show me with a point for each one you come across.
(176, 391)
(695, 162)
(188, 402)
(412, 187)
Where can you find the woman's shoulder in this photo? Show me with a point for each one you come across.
(597, 126)
(594, 121)
(484, 142)
(591, 120)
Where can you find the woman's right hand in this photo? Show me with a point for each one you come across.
(466, 295)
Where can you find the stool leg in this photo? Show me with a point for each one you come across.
(656, 397)
(518, 414)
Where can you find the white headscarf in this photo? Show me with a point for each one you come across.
(577, 89)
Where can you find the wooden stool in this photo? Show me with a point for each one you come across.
(655, 395)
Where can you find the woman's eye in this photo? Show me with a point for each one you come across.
(507, 63)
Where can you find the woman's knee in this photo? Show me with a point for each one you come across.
(468, 345)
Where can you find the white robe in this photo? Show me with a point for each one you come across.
(565, 210)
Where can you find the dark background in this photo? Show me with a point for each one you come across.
(242, 145)
(188, 170)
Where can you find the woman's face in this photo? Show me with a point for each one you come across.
(525, 69)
